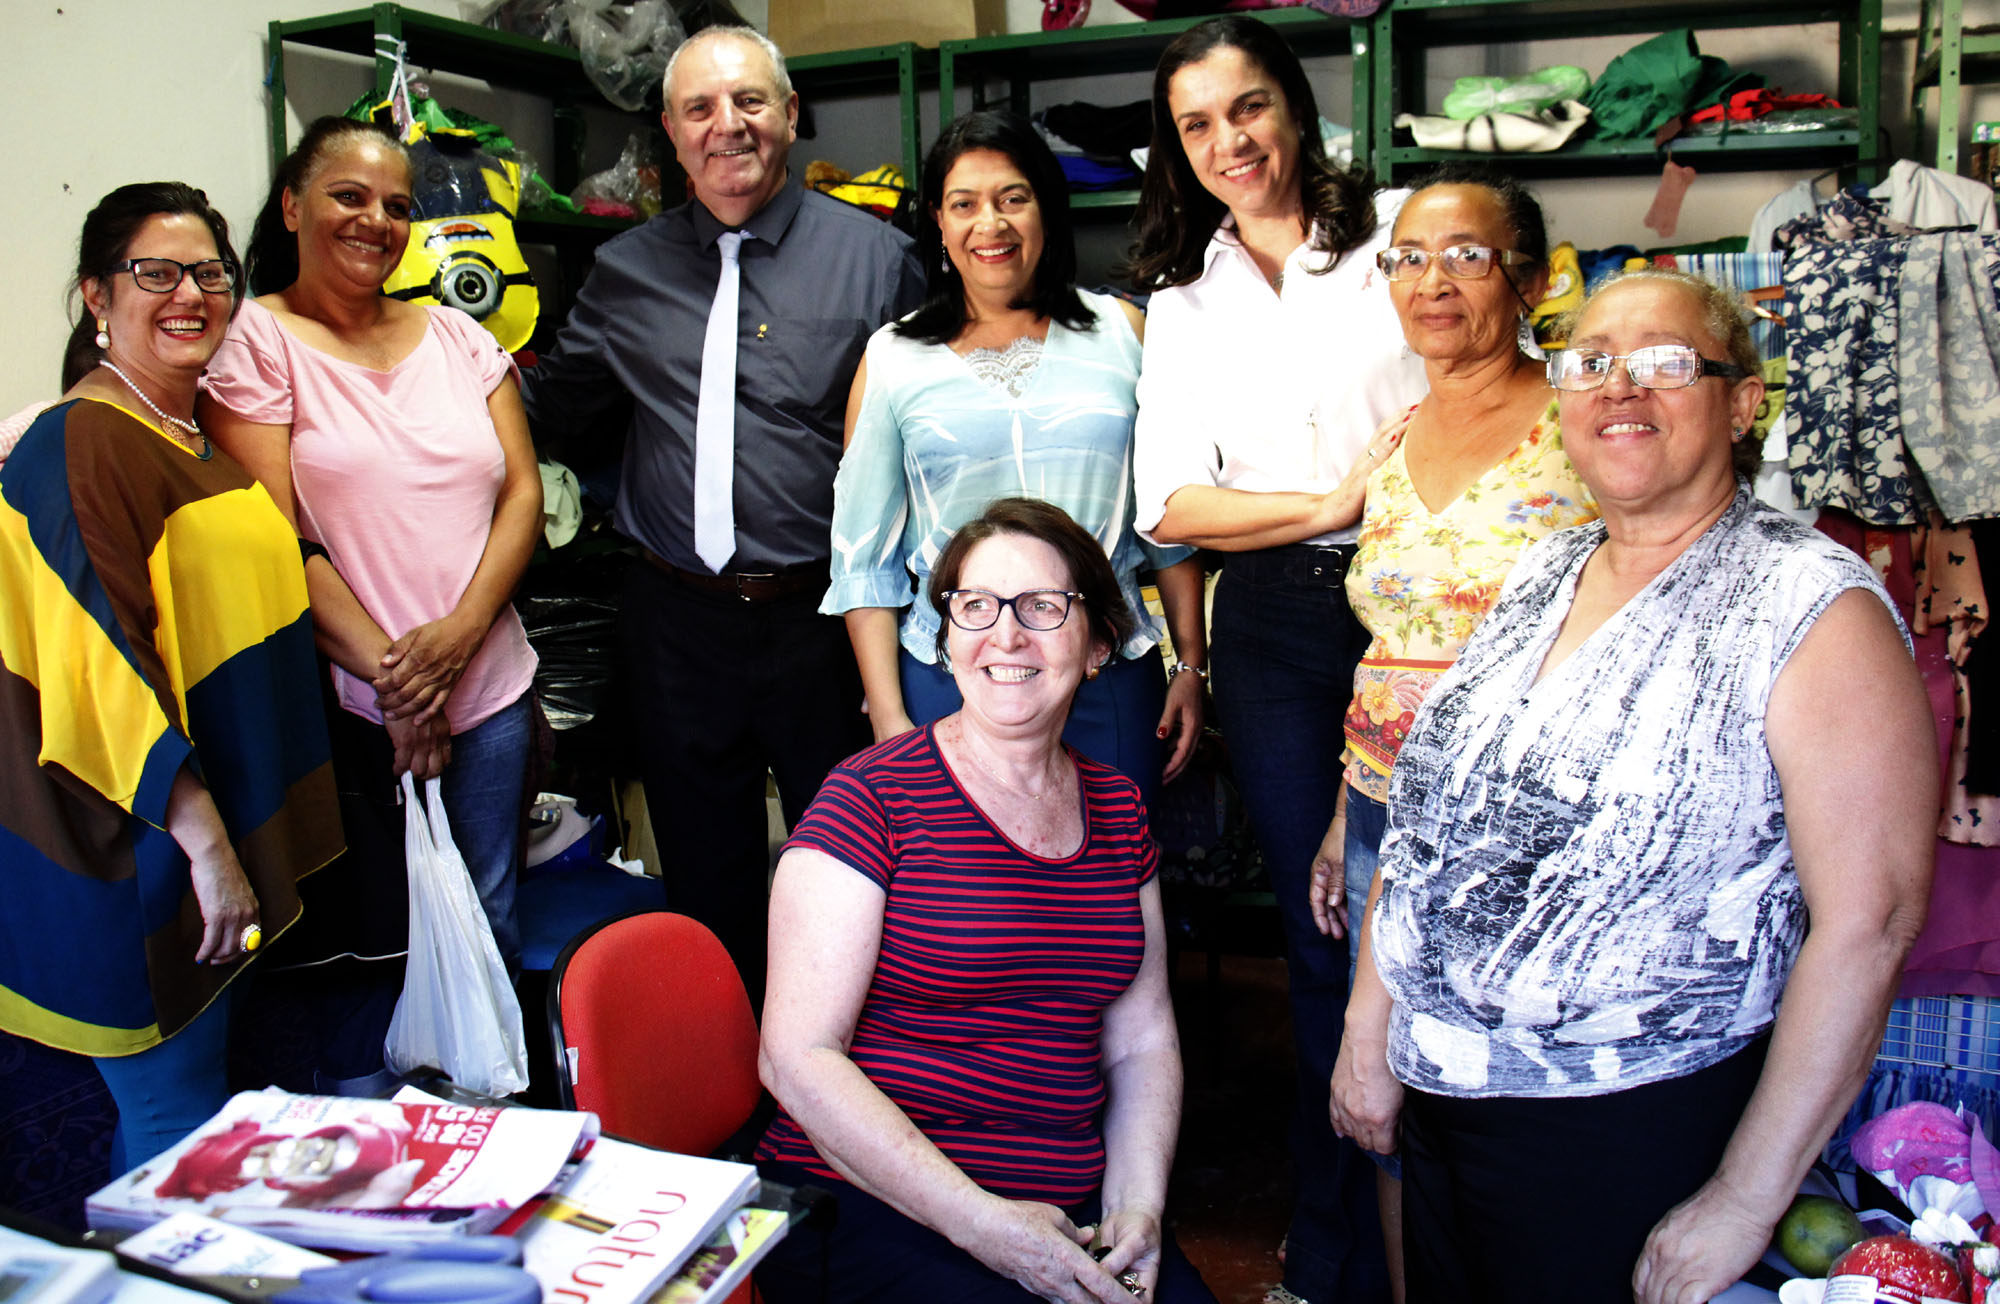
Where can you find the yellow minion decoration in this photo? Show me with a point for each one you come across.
(462, 250)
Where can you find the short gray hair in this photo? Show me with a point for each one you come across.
(715, 33)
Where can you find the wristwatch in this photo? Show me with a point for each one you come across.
(1199, 672)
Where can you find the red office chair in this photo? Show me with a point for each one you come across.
(653, 1033)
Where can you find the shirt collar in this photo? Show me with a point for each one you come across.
(767, 224)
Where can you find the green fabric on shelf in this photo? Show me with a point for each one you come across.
(1658, 80)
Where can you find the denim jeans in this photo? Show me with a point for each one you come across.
(1367, 820)
(1282, 655)
(168, 1091)
(485, 794)
(1115, 718)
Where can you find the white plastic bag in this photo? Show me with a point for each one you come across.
(458, 1012)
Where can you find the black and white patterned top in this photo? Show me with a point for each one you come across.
(1587, 884)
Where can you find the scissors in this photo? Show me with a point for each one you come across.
(468, 1270)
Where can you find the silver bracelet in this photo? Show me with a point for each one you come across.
(1199, 672)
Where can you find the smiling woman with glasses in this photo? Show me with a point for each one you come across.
(1704, 780)
(967, 1031)
(168, 779)
(1476, 472)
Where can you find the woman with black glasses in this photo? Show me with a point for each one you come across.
(165, 768)
(1684, 770)
(967, 1029)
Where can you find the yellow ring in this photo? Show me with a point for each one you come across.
(253, 937)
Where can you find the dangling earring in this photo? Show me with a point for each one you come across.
(1524, 338)
(103, 340)
(944, 261)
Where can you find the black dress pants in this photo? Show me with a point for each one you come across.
(1512, 1200)
(719, 692)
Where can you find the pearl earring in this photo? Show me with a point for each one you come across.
(103, 340)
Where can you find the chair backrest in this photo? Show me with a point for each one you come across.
(653, 1032)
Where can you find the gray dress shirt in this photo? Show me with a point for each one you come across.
(818, 277)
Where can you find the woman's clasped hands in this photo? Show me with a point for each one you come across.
(1037, 1246)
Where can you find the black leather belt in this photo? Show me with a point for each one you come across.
(750, 586)
(1293, 563)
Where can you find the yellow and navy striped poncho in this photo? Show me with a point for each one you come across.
(152, 615)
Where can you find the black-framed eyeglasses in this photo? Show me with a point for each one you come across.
(1040, 610)
(164, 275)
(1659, 366)
(1463, 262)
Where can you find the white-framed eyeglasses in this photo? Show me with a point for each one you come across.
(1461, 262)
(1040, 610)
(1658, 366)
(164, 275)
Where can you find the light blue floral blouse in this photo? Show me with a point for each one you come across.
(934, 444)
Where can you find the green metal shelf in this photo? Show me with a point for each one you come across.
(900, 70)
(1960, 58)
(1403, 31)
(1602, 157)
(1021, 59)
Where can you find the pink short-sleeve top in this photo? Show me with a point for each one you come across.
(396, 473)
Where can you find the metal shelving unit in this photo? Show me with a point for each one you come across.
(1022, 59)
(1949, 59)
(901, 70)
(1403, 31)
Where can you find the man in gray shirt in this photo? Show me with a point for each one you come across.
(728, 669)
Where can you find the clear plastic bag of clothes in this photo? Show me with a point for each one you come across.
(540, 19)
(625, 47)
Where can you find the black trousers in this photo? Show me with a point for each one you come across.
(719, 692)
(870, 1254)
(1509, 1201)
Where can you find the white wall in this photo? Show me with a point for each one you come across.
(112, 91)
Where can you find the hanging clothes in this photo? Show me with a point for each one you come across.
(1889, 421)
(1948, 351)
(1927, 198)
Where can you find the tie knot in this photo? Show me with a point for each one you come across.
(728, 243)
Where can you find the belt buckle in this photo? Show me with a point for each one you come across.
(755, 577)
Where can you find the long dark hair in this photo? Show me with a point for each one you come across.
(106, 241)
(1177, 215)
(273, 253)
(1111, 620)
(1053, 292)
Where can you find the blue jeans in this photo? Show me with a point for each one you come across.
(1283, 653)
(1115, 718)
(1367, 820)
(168, 1091)
(485, 793)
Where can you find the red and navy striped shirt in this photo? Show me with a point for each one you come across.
(985, 1016)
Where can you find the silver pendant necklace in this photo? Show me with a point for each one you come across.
(173, 424)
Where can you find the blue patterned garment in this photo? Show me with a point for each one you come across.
(935, 442)
(1564, 910)
(1893, 394)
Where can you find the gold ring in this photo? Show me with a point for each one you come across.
(253, 937)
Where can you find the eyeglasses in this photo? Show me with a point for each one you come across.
(1040, 610)
(1466, 262)
(164, 275)
(1661, 366)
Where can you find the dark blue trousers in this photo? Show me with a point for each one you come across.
(1282, 656)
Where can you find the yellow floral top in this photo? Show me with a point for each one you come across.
(1422, 581)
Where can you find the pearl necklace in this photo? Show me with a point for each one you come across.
(172, 424)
